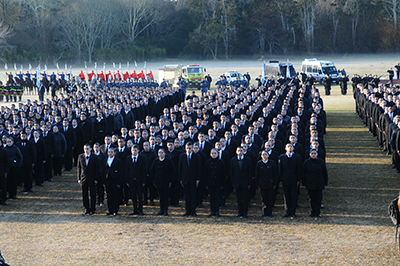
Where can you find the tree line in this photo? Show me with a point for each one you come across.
(100, 30)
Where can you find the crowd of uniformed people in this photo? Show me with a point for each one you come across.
(144, 142)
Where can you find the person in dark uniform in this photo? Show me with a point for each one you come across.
(113, 179)
(49, 141)
(41, 155)
(315, 178)
(289, 168)
(343, 84)
(4, 169)
(161, 172)
(101, 157)
(214, 177)
(266, 176)
(15, 157)
(189, 172)
(59, 151)
(135, 178)
(391, 75)
(241, 174)
(397, 67)
(28, 152)
(87, 173)
(327, 84)
(70, 137)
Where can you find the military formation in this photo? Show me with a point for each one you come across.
(153, 144)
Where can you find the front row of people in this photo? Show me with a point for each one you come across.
(92, 169)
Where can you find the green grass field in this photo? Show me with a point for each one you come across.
(47, 228)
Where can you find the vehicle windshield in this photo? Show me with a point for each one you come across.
(329, 70)
(233, 75)
(194, 70)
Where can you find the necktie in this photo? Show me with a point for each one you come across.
(134, 159)
(188, 160)
(65, 129)
(23, 144)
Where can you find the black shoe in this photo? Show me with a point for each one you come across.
(160, 213)
(38, 185)
(24, 191)
(4, 203)
(85, 212)
(217, 215)
(270, 216)
(293, 215)
(109, 213)
(141, 213)
(245, 215)
(151, 203)
(91, 213)
(165, 213)
(318, 216)
(240, 216)
(286, 215)
(194, 214)
(312, 215)
(264, 215)
(125, 203)
(50, 180)
(177, 205)
(211, 214)
(133, 213)
(101, 204)
(186, 214)
(145, 202)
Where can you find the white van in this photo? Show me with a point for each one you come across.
(274, 69)
(318, 69)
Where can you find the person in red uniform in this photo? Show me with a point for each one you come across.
(82, 76)
(101, 75)
(91, 75)
(141, 75)
(134, 75)
(126, 75)
(150, 75)
(109, 76)
(117, 76)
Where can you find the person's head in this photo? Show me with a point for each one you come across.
(96, 147)
(87, 149)
(36, 134)
(264, 155)
(55, 129)
(23, 136)
(146, 146)
(121, 142)
(239, 151)
(313, 154)
(161, 153)
(135, 149)
(111, 152)
(107, 140)
(214, 153)
(289, 148)
(188, 148)
(10, 141)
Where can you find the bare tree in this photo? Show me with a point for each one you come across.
(137, 17)
(392, 9)
(352, 8)
(308, 16)
(72, 36)
(5, 33)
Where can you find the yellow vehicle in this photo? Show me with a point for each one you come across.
(194, 75)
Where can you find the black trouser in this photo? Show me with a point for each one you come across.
(136, 193)
(85, 194)
(227, 189)
(268, 200)
(242, 197)
(57, 164)
(315, 200)
(163, 194)
(48, 167)
(149, 190)
(113, 198)
(215, 195)
(3, 188)
(12, 179)
(343, 90)
(25, 174)
(290, 196)
(125, 193)
(174, 192)
(327, 91)
(100, 192)
(190, 197)
(41, 96)
(200, 193)
(68, 159)
(38, 173)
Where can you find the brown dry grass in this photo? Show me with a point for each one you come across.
(47, 228)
